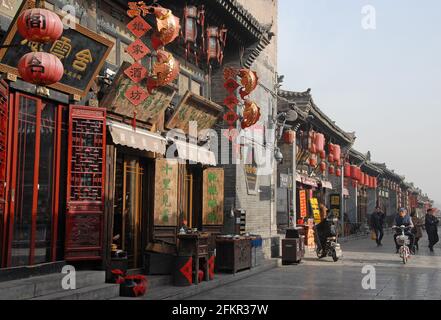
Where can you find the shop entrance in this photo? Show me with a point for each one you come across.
(130, 216)
(38, 130)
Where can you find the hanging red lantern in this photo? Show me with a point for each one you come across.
(319, 141)
(167, 27)
(331, 158)
(331, 170)
(165, 70)
(362, 176)
(323, 166)
(313, 160)
(336, 152)
(355, 173)
(251, 114)
(40, 68)
(311, 145)
(249, 81)
(323, 155)
(39, 25)
(338, 172)
(289, 136)
(347, 170)
(375, 183)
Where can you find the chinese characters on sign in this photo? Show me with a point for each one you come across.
(303, 205)
(315, 210)
(335, 205)
(81, 52)
(213, 197)
(166, 189)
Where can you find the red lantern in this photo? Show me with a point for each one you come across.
(375, 183)
(336, 152)
(313, 160)
(251, 114)
(319, 141)
(323, 166)
(347, 170)
(167, 27)
(356, 173)
(338, 172)
(249, 80)
(289, 136)
(331, 170)
(331, 158)
(40, 68)
(362, 182)
(165, 70)
(39, 25)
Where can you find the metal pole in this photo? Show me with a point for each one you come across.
(294, 184)
(342, 199)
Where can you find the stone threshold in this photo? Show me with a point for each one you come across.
(170, 292)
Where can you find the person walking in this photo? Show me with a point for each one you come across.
(377, 222)
(432, 228)
(418, 228)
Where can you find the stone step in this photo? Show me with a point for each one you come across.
(96, 292)
(44, 285)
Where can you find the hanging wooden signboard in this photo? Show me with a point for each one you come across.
(335, 205)
(315, 210)
(213, 197)
(149, 110)
(82, 52)
(303, 204)
(166, 192)
(193, 107)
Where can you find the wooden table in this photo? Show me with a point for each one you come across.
(196, 246)
(233, 254)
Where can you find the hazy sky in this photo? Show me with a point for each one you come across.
(385, 84)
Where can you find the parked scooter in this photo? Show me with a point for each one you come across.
(332, 247)
(403, 242)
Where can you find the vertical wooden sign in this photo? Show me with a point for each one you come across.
(213, 197)
(303, 204)
(166, 192)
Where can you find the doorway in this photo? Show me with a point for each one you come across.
(129, 221)
(39, 139)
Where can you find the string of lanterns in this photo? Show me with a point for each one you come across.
(166, 68)
(41, 26)
(251, 111)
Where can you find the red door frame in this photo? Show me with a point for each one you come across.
(73, 251)
(3, 232)
(13, 141)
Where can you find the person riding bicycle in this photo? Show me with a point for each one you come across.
(403, 219)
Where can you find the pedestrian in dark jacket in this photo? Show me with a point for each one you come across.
(432, 228)
(377, 222)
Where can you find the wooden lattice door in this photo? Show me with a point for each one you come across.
(3, 165)
(85, 187)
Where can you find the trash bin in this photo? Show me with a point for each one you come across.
(293, 246)
(183, 271)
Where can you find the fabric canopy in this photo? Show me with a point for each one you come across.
(192, 152)
(140, 139)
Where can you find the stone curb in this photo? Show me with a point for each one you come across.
(206, 286)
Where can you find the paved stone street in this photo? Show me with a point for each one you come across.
(325, 279)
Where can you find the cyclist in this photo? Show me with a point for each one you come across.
(403, 219)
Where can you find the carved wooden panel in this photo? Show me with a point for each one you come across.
(86, 181)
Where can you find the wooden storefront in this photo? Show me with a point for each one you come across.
(52, 155)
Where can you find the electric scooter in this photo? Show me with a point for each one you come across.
(403, 242)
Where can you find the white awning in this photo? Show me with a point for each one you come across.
(124, 135)
(309, 181)
(192, 152)
(326, 184)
